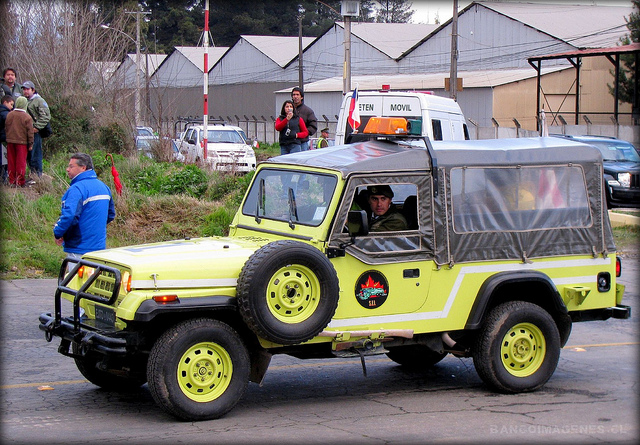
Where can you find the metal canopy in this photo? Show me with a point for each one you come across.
(575, 58)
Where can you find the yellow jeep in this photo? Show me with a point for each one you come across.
(507, 242)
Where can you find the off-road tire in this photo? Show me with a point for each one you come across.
(518, 347)
(415, 356)
(198, 369)
(121, 382)
(287, 292)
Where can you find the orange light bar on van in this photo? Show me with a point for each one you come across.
(162, 299)
(386, 125)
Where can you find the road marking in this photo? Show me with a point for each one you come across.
(302, 365)
(599, 345)
(31, 385)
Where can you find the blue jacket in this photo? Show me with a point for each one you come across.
(87, 208)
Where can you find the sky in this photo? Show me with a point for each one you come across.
(426, 10)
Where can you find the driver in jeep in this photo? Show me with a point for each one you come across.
(384, 215)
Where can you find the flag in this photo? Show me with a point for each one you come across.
(544, 128)
(115, 174)
(354, 111)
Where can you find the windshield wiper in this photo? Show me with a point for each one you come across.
(259, 201)
(293, 210)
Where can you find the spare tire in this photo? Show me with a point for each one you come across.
(287, 292)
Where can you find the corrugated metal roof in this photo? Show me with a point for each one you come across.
(622, 49)
(430, 81)
(195, 55)
(154, 61)
(583, 26)
(279, 49)
(393, 39)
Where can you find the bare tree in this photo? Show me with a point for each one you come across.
(63, 48)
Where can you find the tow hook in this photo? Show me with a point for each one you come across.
(48, 330)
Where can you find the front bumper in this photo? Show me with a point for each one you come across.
(89, 335)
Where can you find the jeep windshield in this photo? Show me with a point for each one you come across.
(296, 197)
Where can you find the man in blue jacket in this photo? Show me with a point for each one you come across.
(87, 208)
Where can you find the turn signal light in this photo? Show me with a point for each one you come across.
(162, 299)
(126, 279)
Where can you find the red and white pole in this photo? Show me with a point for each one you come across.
(205, 117)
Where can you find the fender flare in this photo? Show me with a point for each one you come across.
(551, 301)
(149, 309)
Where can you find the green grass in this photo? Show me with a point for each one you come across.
(159, 202)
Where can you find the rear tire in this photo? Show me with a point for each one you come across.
(518, 347)
(198, 369)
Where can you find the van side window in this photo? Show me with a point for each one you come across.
(437, 129)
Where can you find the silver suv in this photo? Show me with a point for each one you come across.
(227, 148)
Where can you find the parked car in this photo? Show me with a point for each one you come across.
(228, 148)
(152, 149)
(144, 138)
(621, 163)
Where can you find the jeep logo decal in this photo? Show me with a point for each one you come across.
(372, 289)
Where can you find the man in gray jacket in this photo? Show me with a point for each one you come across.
(307, 115)
(39, 111)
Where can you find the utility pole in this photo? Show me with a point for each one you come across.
(138, 111)
(300, 64)
(348, 9)
(453, 76)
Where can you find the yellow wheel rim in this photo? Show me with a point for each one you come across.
(523, 350)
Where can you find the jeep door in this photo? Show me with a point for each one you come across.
(388, 272)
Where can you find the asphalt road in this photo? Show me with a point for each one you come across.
(591, 398)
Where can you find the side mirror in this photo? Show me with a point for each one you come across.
(358, 223)
(191, 141)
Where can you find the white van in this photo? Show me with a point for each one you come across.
(441, 118)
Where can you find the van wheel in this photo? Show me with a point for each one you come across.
(198, 369)
(415, 356)
(287, 292)
(518, 347)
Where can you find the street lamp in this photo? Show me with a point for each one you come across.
(138, 112)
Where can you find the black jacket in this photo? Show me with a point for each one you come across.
(309, 118)
(3, 117)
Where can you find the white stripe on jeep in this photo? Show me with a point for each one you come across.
(492, 268)
(173, 284)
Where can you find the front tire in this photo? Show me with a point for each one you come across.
(121, 381)
(518, 347)
(198, 369)
(415, 356)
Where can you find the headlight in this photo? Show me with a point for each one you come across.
(624, 179)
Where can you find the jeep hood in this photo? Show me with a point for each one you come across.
(198, 262)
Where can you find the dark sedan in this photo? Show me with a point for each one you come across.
(621, 164)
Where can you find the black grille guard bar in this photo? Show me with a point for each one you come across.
(64, 278)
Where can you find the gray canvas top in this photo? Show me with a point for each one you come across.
(378, 156)
(499, 199)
